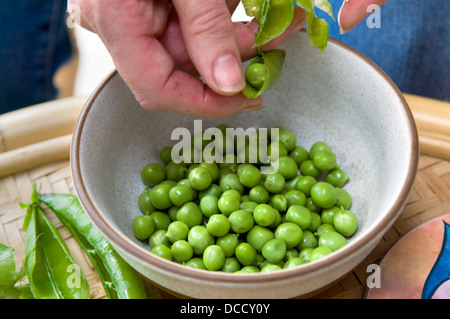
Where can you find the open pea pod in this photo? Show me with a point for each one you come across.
(52, 271)
(263, 72)
(274, 16)
(316, 28)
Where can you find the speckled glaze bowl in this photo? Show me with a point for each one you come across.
(339, 97)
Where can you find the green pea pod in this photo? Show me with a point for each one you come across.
(125, 279)
(316, 28)
(52, 272)
(274, 16)
(9, 276)
(263, 72)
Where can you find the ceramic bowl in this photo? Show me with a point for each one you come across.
(339, 97)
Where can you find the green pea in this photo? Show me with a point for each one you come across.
(209, 205)
(143, 227)
(196, 262)
(307, 168)
(316, 222)
(287, 138)
(199, 238)
(299, 154)
(218, 225)
(159, 196)
(259, 194)
(274, 183)
(305, 254)
(312, 206)
(295, 197)
(248, 270)
(292, 183)
(229, 242)
(275, 150)
(228, 204)
(212, 168)
(190, 214)
(290, 233)
(264, 215)
(274, 250)
(245, 254)
(299, 215)
(279, 202)
(345, 222)
(320, 252)
(337, 177)
(308, 240)
(343, 198)
(231, 181)
(231, 265)
(319, 146)
(162, 220)
(159, 237)
(175, 171)
(232, 192)
(324, 194)
(200, 178)
(153, 174)
(181, 250)
(144, 202)
(255, 75)
(294, 262)
(177, 230)
(290, 253)
(305, 183)
(270, 268)
(324, 160)
(287, 167)
(172, 212)
(325, 228)
(248, 206)
(241, 221)
(213, 257)
(332, 240)
(214, 189)
(166, 155)
(328, 214)
(162, 251)
(180, 194)
(258, 236)
(185, 181)
(249, 176)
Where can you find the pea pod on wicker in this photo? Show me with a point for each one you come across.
(263, 72)
(118, 274)
(9, 276)
(52, 271)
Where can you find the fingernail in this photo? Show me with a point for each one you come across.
(341, 29)
(228, 74)
(251, 108)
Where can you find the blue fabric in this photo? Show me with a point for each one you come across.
(34, 42)
(412, 44)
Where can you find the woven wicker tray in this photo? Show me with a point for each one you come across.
(40, 153)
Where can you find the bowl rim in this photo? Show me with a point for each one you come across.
(121, 241)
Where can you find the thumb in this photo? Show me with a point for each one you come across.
(353, 12)
(211, 43)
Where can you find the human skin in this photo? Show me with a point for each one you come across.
(183, 56)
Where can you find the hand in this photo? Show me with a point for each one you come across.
(160, 49)
(353, 12)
